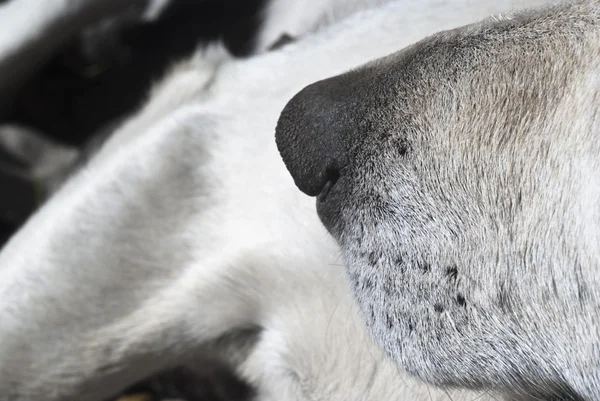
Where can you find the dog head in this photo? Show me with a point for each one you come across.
(461, 178)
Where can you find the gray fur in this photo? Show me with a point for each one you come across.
(468, 206)
(469, 223)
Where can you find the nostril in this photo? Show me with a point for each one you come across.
(333, 176)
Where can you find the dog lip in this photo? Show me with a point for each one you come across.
(333, 176)
(322, 196)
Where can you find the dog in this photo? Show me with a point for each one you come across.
(460, 177)
(185, 240)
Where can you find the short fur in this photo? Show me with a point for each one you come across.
(467, 203)
(185, 228)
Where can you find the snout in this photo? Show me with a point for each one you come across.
(315, 134)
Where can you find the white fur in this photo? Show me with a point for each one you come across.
(298, 17)
(187, 225)
(155, 9)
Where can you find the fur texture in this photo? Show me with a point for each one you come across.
(467, 199)
(185, 228)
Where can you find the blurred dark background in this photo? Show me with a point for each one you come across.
(103, 75)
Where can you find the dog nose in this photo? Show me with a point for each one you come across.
(313, 133)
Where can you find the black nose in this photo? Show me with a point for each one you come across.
(313, 134)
